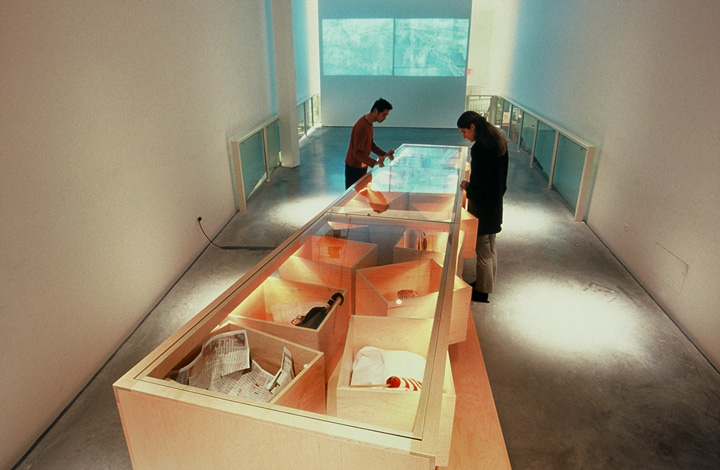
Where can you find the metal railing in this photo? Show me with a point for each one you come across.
(256, 153)
(566, 159)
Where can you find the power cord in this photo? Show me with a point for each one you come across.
(269, 248)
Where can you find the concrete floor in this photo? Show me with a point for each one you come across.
(586, 370)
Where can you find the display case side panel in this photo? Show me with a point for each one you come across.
(391, 409)
(447, 416)
(164, 434)
(462, 298)
(477, 438)
(469, 224)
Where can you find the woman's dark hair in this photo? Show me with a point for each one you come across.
(381, 105)
(485, 133)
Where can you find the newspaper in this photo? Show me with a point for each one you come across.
(224, 366)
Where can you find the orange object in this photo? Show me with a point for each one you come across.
(403, 382)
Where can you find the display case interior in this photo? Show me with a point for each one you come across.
(330, 261)
(345, 250)
(411, 290)
(418, 244)
(438, 206)
(277, 304)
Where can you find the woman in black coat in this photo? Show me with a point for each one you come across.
(485, 191)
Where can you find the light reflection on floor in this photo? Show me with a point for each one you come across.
(528, 220)
(562, 320)
(301, 210)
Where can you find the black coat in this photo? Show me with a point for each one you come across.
(486, 188)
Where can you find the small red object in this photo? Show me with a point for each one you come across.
(402, 382)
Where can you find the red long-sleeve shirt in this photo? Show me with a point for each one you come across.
(361, 144)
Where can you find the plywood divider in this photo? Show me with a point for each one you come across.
(330, 261)
(329, 338)
(377, 293)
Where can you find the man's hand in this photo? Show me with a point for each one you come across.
(390, 154)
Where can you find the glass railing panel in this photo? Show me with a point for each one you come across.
(272, 134)
(309, 122)
(301, 120)
(505, 122)
(515, 119)
(544, 147)
(568, 170)
(497, 115)
(527, 135)
(252, 158)
(478, 103)
(316, 110)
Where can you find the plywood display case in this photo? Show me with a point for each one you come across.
(379, 290)
(256, 311)
(168, 425)
(325, 260)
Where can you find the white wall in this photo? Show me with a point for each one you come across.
(492, 31)
(639, 79)
(113, 141)
(306, 42)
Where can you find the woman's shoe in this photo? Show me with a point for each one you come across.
(480, 297)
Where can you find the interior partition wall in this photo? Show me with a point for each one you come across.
(566, 159)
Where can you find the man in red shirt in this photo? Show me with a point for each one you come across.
(358, 157)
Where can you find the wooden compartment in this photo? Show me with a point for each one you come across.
(331, 262)
(306, 391)
(256, 312)
(391, 408)
(377, 291)
(439, 207)
(419, 245)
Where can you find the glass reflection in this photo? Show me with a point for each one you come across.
(568, 170)
(252, 157)
(544, 147)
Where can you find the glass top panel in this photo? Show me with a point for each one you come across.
(420, 183)
(383, 249)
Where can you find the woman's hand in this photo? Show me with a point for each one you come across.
(464, 184)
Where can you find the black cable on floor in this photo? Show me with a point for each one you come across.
(231, 247)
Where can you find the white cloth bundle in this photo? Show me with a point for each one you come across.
(373, 366)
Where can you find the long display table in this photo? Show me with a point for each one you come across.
(389, 249)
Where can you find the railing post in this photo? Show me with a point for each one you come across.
(554, 159)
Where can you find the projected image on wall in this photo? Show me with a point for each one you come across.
(427, 47)
(431, 47)
(357, 46)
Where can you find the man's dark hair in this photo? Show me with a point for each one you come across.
(381, 105)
